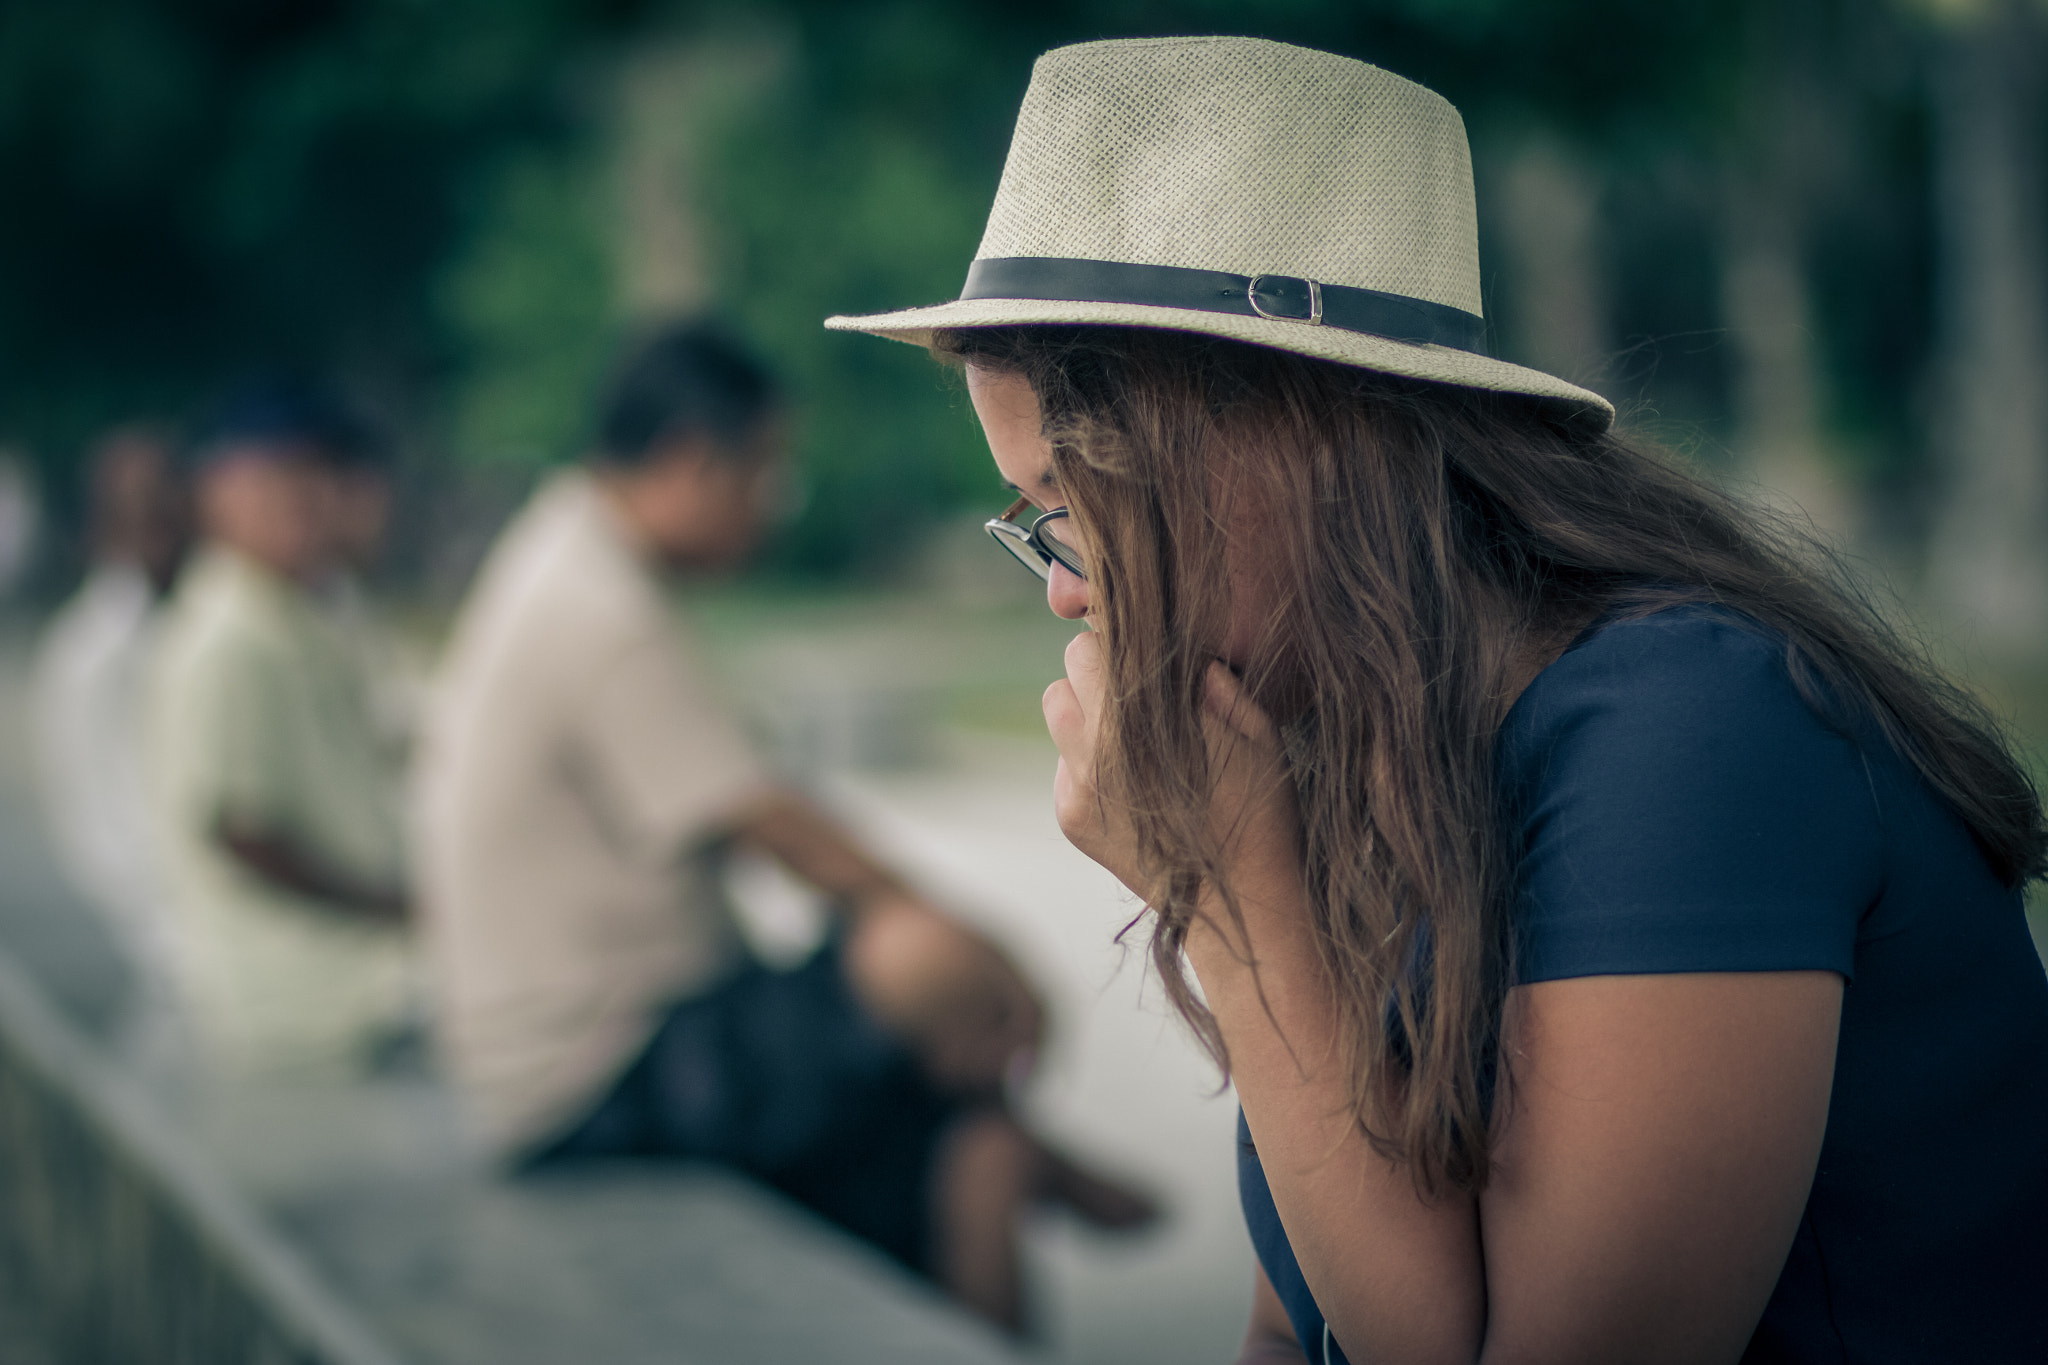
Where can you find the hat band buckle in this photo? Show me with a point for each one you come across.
(1287, 289)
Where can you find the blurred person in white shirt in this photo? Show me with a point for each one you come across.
(580, 780)
(86, 699)
(276, 799)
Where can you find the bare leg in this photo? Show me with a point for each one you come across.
(1094, 1197)
(986, 1171)
(952, 998)
(928, 982)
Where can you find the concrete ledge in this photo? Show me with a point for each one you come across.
(121, 1242)
(346, 1226)
(624, 1264)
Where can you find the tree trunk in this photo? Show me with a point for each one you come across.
(1549, 225)
(1766, 305)
(672, 97)
(1987, 560)
(1791, 159)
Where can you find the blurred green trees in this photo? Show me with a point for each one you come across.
(195, 186)
(1724, 213)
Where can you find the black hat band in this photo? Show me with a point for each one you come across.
(1279, 298)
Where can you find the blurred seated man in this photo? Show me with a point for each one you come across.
(87, 698)
(579, 779)
(275, 802)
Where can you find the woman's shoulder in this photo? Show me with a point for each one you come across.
(1693, 670)
(1680, 806)
(1687, 645)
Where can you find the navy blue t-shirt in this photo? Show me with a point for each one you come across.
(1681, 809)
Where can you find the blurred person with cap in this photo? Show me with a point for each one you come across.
(276, 802)
(86, 707)
(579, 780)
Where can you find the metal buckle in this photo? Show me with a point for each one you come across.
(1315, 300)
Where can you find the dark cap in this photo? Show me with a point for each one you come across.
(286, 409)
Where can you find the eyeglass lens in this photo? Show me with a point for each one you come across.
(1050, 539)
(1017, 541)
(1057, 535)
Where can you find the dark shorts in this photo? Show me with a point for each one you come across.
(781, 1075)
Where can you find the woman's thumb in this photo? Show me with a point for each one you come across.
(1225, 698)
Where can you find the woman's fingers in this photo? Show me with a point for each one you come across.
(1253, 803)
(1073, 702)
(1085, 670)
(1224, 697)
(1252, 806)
(1064, 719)
(1073, 713)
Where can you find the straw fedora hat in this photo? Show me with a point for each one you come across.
(1244, 189)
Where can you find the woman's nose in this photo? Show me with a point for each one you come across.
(1066, 593)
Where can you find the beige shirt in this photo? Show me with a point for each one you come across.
(574, 766)
(255, 710)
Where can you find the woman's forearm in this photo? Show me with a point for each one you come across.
(1400, 1279)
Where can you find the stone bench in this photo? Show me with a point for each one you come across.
(623, 1262)
(347, 1226)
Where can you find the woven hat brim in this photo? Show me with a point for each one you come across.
(1443, 364)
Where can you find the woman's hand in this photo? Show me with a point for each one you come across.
(1399, 1272)
(1073, 716)
(1253, 818)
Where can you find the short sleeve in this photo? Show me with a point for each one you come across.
(671, 762)
(238, 739)
(1680, 808)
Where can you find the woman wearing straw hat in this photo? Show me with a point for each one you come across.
(1612, 928)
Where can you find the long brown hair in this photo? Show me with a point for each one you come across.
(1422, 539)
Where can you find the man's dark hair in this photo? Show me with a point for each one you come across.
(689, 379)
(288, 408)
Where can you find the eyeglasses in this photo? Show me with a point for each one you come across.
(1048, 540)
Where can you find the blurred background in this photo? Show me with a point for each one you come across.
(1803, 242)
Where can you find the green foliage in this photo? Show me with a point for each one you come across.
(861, 184)
(194, 186)
(529, 297)
(418, 193)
